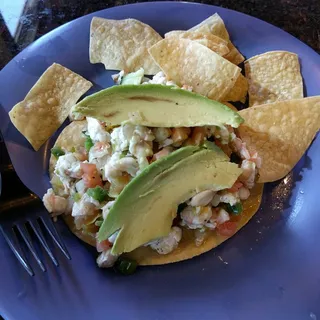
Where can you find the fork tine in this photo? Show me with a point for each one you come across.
(13, 243)
(37, 230)
(48, 223)
(27, 239)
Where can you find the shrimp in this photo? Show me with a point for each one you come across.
(162, 153)
(141, 145)
(167, 244)
(68, 167)
(116, 166)
(225, 197)
(202, 198)
(120, 137)
(256, 159)
(97, 131)
(144, 133)
(85, 207)
(200, 235)
(117, 184)
(161, 134)
(195, 217)
(106, 209)
(198, 135)
(103, 245)
(220, 216)
(244, 193)
(80, 153)
(248, 174)
(56, 205)
(240, 147)
(210, 130)
(106, 259)
(99, 154)
(179, 135)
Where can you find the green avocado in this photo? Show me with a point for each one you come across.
(133, 77)
(147, 206)
(156, 105)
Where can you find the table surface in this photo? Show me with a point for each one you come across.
(23, 21)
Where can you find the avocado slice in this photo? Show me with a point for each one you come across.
(133, 77)
(155, 105)
(147, 206)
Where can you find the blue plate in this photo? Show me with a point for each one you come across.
(269, 270)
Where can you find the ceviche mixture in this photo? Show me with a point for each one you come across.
(88, 179)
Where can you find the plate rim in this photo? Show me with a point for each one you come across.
(150, 3)
(58, 29)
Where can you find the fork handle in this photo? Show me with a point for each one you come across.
(16, 203)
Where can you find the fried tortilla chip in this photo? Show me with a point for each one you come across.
(234, 55)
(239, 90)
(280, 133)
(48, 104)
(273, 76)
(96, 22)
(217, 27)
(187, 62)
(205, 38)
(122, 44)
(72, 137)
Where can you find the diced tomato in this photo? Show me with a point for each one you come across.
(227, 229)
(103, 245)
(88, 168)
(236, 186)
(91, 176)
(91, 181)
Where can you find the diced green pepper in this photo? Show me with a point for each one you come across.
(236, 209)
(98, 193)
(126, 266)
(76, 196)
(88, 143)
(123, 154)
(57, 152)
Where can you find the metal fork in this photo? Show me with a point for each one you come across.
(22, 216)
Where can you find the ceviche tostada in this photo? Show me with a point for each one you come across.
(159, 169)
